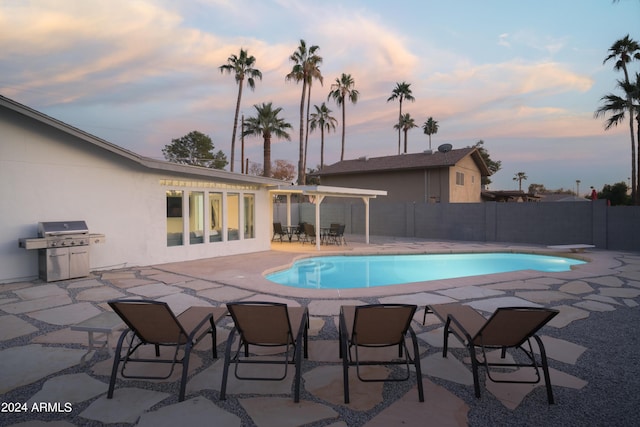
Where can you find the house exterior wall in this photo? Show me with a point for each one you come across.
(468, 188)
(434, 185)
(50, 175)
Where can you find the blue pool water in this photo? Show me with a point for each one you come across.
(341, 272)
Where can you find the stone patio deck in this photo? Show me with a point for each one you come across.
(44, 361)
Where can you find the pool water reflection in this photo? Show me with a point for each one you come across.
(343, 272)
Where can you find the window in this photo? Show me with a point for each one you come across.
(174, 218)
(459, 178)
(249, 216)
(215, 227)
(196, 217)
(233, 216)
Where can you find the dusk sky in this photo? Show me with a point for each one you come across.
(523, 76)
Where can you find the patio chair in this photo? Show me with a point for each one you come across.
(507, 328)
(309, 233)
(336, 234)
(378, 326)
(267, 324)
(300, 231)
(278, 231)
(153, 323)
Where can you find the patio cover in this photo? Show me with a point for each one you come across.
(317, 194)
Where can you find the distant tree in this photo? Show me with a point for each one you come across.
(306, 68)
(341, 91)
(616, 194)
(255, 169)
(312, 178)
(537, 188)
(520, 176)
(406, 123)
(430, 128)
(322, 119)
(493, 165)
(241, 66)
(266, 123)
(194, 149)
(283, 170)
(400, 92)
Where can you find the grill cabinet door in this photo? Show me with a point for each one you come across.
(54, 264)
(78, 262)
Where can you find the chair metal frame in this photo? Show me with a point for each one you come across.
(248, 336)
(351, 336)
(479, 332)
(278, 231)
(188, 329)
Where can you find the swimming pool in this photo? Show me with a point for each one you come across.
(342, 272)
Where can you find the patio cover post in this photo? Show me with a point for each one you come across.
(318, 199)
(366, 219)
(288, 195)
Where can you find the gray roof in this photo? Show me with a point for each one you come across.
(147, 162)
(405, 162)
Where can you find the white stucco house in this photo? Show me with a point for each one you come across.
(150, 211)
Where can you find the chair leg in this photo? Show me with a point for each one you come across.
(545, 369)
(185, 370)
(446, 338)
(344, 354)
(116, 362)
(416, 362)
(474, 369)
(227, 360)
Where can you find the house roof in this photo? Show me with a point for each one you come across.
(423, 160)
(159, 165)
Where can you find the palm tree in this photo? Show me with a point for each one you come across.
(400, 92)
(322, 119)
(306, 69)
(520, 176)
(342, 90)
(242, 67)
(624, 51)
(267, 123)
(406, 123)
(430, 128)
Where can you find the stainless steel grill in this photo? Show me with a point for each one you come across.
(63, 249)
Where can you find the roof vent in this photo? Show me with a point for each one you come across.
(428, 151)
(364, 158)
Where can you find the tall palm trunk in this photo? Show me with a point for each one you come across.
(306, 136)
(301, 154)
(267, 155)
(399, 120)
(343, 122)
(321, 147)
(634, 158)
(235, 124)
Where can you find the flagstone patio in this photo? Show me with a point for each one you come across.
(44, 360)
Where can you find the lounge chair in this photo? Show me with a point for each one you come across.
(278, 232)
(267, 324)
(507, 328)
(378, 326)
(309, 233)
(153, 323)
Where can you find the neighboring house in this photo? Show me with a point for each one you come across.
(150, 211)
(451, 177)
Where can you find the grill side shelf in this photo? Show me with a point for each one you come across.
(32, 243)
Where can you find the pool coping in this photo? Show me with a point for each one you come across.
(257, 265)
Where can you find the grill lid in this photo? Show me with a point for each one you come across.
(58, 228)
